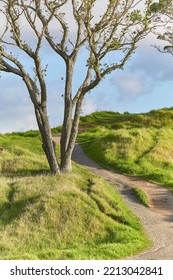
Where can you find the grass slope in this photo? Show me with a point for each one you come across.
(72, 216)
(135, 144)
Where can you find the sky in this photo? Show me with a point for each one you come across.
(146, 83)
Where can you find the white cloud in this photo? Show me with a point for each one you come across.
(147, 70)
(151, 62)
(16, 111)
(128, 84)
(16, 108)
(89, 106)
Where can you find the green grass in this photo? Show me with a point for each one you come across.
(115, 120)
(19, 154)
(72, 216)
(141, 196)
(134, 144)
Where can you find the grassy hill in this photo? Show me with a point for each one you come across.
(72, 216)
(134, 144)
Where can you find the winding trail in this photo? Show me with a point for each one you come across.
(156, 219)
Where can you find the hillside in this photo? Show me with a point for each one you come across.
(72, 216)
(134, 144)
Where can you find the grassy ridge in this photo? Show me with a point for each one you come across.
(72, 216)
(135, 144)
(115, 120)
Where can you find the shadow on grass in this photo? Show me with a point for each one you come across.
(26, 173)
(12, 210)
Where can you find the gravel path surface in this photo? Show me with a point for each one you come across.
(156, 219)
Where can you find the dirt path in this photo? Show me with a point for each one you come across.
(157, 219)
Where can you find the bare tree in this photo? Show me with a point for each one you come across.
(116, 31)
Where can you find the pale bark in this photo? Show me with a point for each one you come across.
(119, 28)
(47, 141)
(67, 122)
(66, 157)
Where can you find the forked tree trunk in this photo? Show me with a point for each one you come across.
(47, 142)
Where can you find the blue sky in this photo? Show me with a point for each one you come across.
(146, 83)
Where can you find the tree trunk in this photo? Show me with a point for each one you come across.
(47, 142)
(67, 122)
(66, 163)
(65, 138)
(66, 130)
(73, 131)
